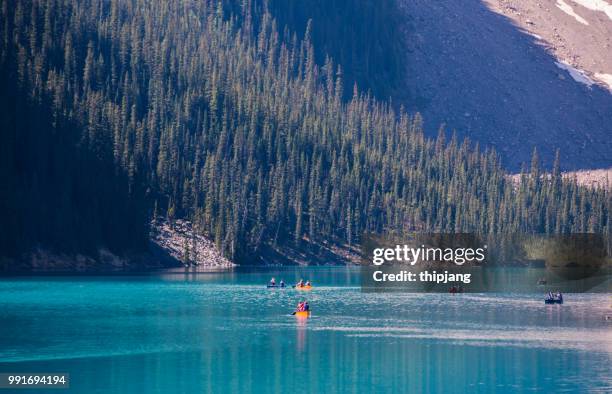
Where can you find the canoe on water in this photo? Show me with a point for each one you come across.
(303, 287)
(553, 301)
(275, 286)
(302, 314)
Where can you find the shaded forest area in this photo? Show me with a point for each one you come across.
(199, 111)
(58, 192)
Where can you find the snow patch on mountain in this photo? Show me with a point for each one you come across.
(605, 78)
(577, 75)
(563, 6)
(596, 5)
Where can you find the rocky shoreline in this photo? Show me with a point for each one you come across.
(180, 241)
(171, 246)
(175, 245)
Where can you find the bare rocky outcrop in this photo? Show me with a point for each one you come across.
(601, 178)
(180, 241)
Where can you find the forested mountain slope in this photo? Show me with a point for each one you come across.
(217, 117)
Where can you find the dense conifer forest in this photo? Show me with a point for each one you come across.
(114, 111)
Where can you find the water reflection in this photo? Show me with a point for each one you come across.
(301, 330)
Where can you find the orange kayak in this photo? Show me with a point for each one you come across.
(303, 287)
(302, 314)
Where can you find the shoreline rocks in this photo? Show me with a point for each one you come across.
(180, 241)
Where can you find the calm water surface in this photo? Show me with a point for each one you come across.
(226, 332)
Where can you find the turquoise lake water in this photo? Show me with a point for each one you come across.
(225, 332)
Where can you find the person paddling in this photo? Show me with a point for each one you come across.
(272, 282)
(302, 309)
(282, 283)
(300, 283)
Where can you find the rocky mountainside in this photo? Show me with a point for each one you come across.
(180, 241)
(593, 178)
(477, 70)
(577, 32)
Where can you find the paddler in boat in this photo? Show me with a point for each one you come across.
(302, 307)
(307, 283)
(272, 282)
(300, 283)
(282, 283)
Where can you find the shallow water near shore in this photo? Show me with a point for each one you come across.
(225, 332)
